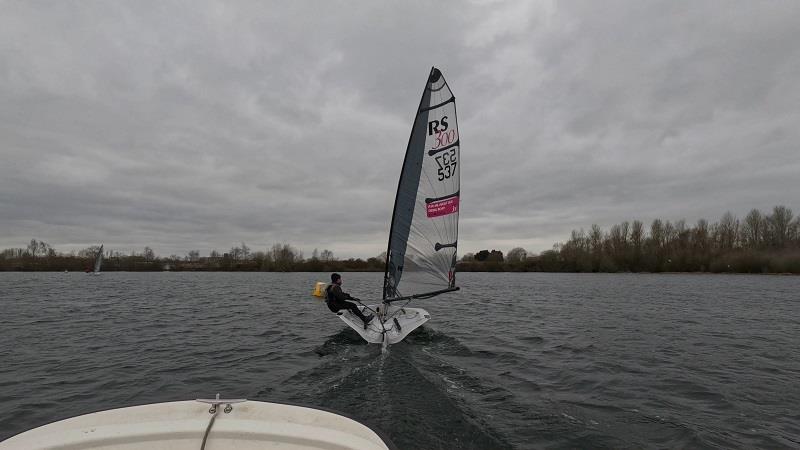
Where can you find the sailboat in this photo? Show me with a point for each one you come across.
(421, 256)
(98, 261)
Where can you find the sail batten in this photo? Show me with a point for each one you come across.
(423, 239)
(439, 150)
(439, 105)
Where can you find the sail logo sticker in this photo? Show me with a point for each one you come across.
(442, 207)
(442, 135)
(433, 126)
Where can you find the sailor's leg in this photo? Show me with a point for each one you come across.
(354, 309)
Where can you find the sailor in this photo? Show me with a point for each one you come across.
(337, 300)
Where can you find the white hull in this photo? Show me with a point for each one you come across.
(389, 326)
(248, 425)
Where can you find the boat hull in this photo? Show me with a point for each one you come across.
(182, 425)
(390, 325)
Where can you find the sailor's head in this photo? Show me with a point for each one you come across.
(336, 278)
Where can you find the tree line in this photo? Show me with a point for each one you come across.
(40, 256)
(758, 243)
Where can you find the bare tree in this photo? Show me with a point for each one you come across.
(516, 254)
(657, 233)
(618, 240)
(33, 247)
(779, 222)
(637, 239)
(327, 255)
(89, 252)
(794, 232)
(596, 240)
(284, 256)
(39, 248)
(700, 238)
(728, 231)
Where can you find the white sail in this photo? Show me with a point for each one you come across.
(98, 260)
(421, 257)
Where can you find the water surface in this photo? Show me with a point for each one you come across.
(511, 361)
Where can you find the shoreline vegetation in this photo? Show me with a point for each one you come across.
(759, 243)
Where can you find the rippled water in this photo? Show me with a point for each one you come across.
(511, 361)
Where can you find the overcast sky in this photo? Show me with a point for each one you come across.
(200, 125)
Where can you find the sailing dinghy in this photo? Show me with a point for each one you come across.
(98, 260)
(421, 258)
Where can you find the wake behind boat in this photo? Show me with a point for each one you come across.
(421, 257)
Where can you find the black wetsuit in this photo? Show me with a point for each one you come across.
(337, 300)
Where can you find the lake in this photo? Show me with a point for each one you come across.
(526, 360)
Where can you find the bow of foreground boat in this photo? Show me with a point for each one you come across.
(205, 425)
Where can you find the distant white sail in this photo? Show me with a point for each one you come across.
(421, 257)
(98, 260)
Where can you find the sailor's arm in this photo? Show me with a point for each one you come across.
(339, 295)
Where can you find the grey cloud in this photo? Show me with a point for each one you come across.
(188, 125)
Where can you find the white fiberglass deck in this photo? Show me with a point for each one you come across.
(182, 425)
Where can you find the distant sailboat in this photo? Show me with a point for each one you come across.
(98, 261)
(421, 258)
